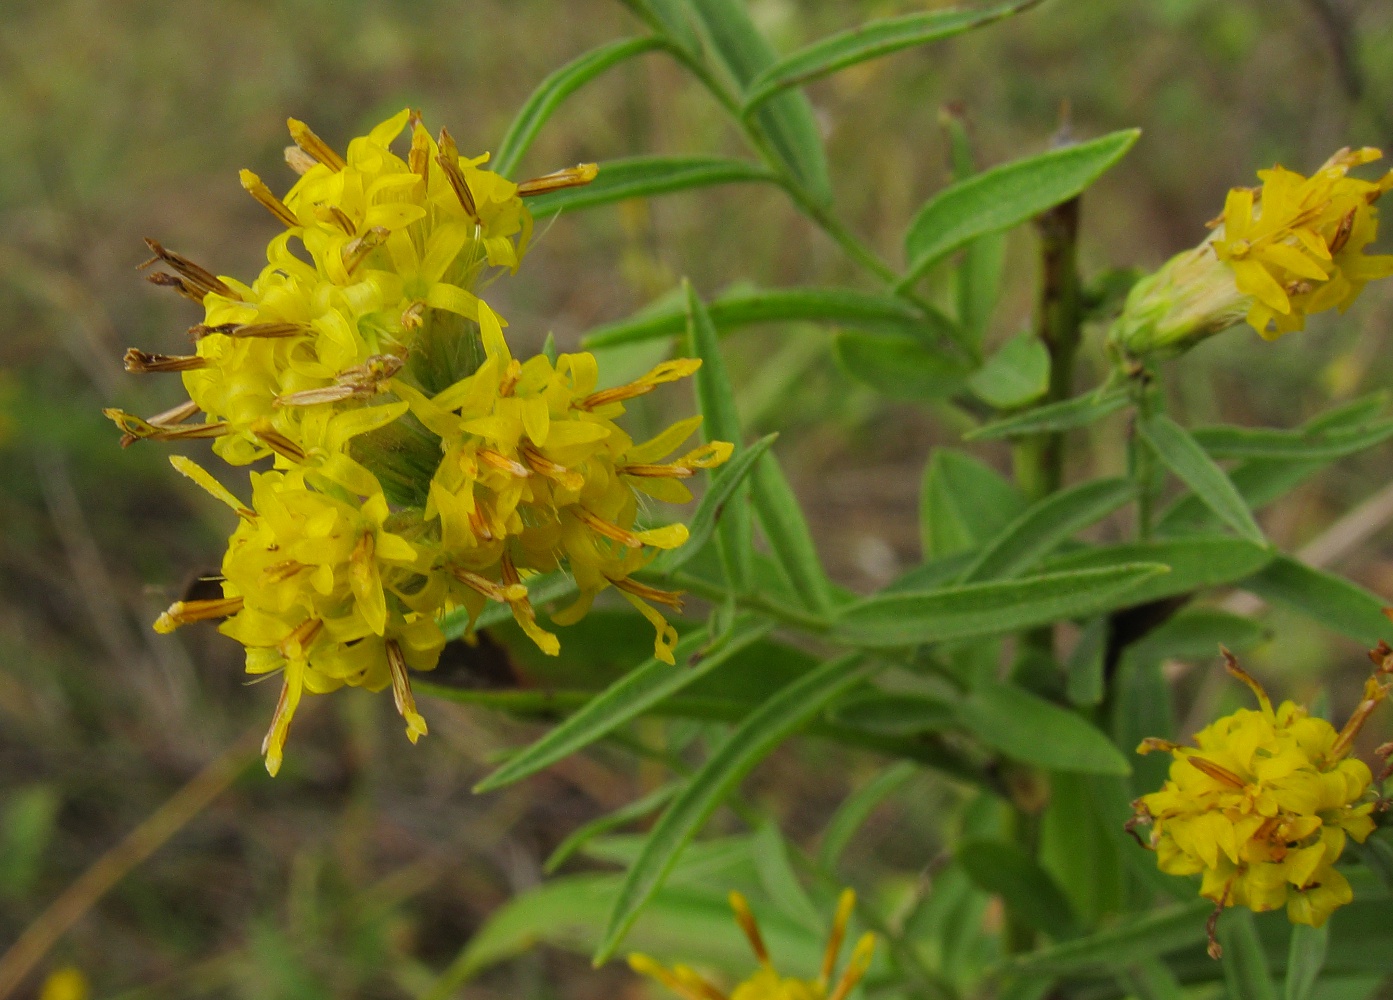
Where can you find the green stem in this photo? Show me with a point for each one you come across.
(1143, 462)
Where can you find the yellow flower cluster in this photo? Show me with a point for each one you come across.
(766, 983)
(1260, 808)
(418, 467)
(1292, 247)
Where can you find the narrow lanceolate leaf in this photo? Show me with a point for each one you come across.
(1028, 891)
(1182, 454)
(899, 367)
(555, 89)
(787, 120)
(1244, 961)
(763, 730)
(626, 698)
(1152, 979)
(1333, 601)
(1029, 728)
(1045, 525)
(870, 41)
(702, 526)
(721, 422)
(963, 504)
(1077, 412)
(1195, 563)
(1130, 941)
(856, 809)
(1304, 961)
(783, 524)
(1294, 446)
(644, 176)
(746, 306)
(622, 816)
(984, 259)
(670, 19)
(981, 609)
(1017, 374)
(1006, 196)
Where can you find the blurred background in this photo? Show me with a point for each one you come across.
(365, 867)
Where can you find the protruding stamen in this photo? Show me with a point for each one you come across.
(502, 462)
(523, 612)
(187, 612)
(670, 598)
(1374, 692)
(282, 571)
(448, 158)
(577, 176)
(750, 926)
(298, 160)
(1231, 664)
(256, 187)
(296, 645)
(174, 415)
(1211, 926)
(335, 216)
(413, 316)
(418, 160)
(138, 362)
(355, 250)
(511, 375)
(177, 283)
(278, 442)
(845, 904)
(502, 593)
(196, 279)
(668, 371)
(552, 470)
(606, 529)
(861, 957)
(401, 692)
(316, 147)
(270, 331)
(1218, 772)
(359, 382)
(689, 987)
(134, 428)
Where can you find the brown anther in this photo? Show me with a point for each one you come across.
(1382, 657)
(174, 415)
(355, 250)
(1140, 817)
(197, 279)
(1374, 692)
(1342, 233)
(298, 160)
(502, 593)
(481, 529)
(359, 382)
(298, 642)
(1298, 287)
(1211, 926)
(282, 571)
(750, 926)
(502, 462)
(178, 284)
(270, 331)
(401, 692)
(134, 428)
(577, 176)
(670, 471)
(1153, 743)
(510, 378)
(314, 146)
(187, 612)
(1231, 665)
(1218, 772)
(413, 316)
(552, 470)
(278, 442)
(138, 362)
(418, 160)
(257, 188)
(606, 529)
(671, 598)
(335, 216)
(448, 158)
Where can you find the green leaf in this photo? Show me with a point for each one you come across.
(1304, 961)
(1006, 196)
(982, 609)
(1047, 524)
(964, 503)
(856, 808)
(744, 306)
(670, 19)
(26, 831)
(1084, 680)
(1130, 941)
(1290, 446)
(1071, 413)
(1244, 961)
(899, 367)
(1180, 453)
(721, 422)
(1333, 601)
(783, 524)
(622, 816)
(870, 40)
(1195, 563)
(776, 875)
(1029, 728)
(645, 176)
(895, 713)
(641, 688)
(1151, 979)
(1197, 634)
(787, 120)
(1028, 891)
(555, 89)
(1017, 374)
(758, 735)
(984, 260)
(702, 526)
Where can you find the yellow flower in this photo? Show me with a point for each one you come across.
(1260, 808)
(1283, 251)
(766, 983)
(67, 983)
(394, 248)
